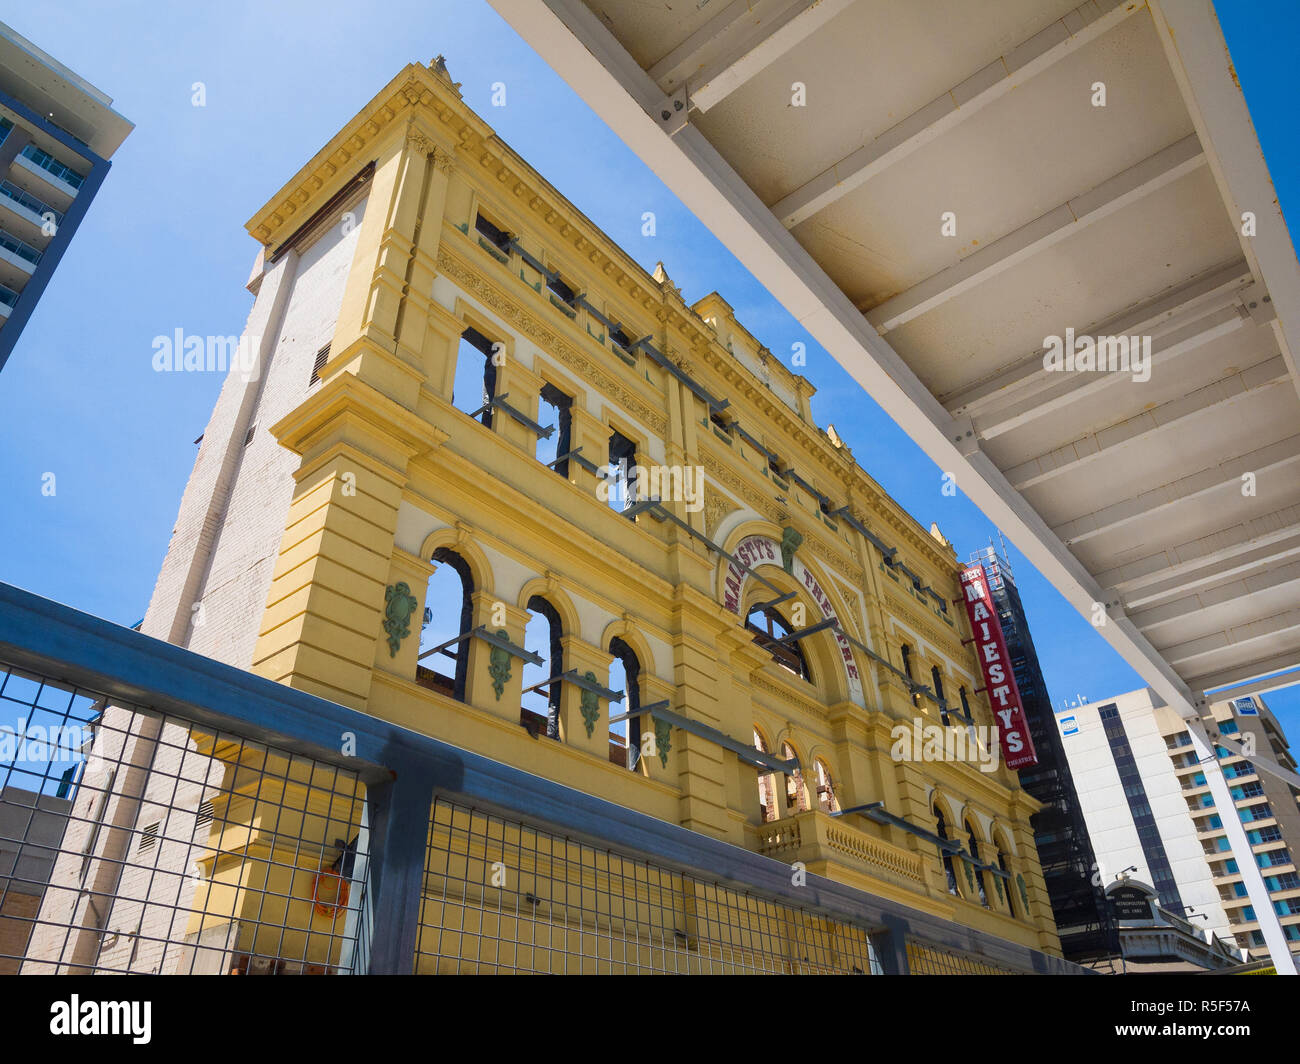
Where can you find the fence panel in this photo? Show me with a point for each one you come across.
(501, 895)
(134, 841)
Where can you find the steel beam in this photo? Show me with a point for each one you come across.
(1214, 290)
(1274, 458)
(1233, 590)
(737, 44)
(1055, 391)
(1233, 548)
(1072, 216)
(1216, 398)
(1062, 38)
(577, 43)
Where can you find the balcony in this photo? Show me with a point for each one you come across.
(814, 836)
(32, 211)
(18, 261)
(46, 166)
(8, 300)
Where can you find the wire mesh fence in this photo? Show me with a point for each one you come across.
(200, 819)
(503, 896)
(133, 841)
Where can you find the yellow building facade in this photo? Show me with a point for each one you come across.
(518, 455)
(460, 239)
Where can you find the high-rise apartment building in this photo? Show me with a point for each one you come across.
(1083, 918)
(1265, 805)
(1148, 803)
(57, 134)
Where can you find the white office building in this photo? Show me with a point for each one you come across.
(1136, 807)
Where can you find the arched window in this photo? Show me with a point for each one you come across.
(767, 626)
(766, 784)
(796, 797)
(539, 710)
(941, 829)
(450, 585)
(936, 679)
(826, 799)
(976, 873)
(625, 675)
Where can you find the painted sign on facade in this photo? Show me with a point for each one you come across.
(754, 551)
(995, 666)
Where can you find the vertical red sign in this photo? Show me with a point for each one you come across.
(995, 665)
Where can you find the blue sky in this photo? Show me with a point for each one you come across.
(163, 248)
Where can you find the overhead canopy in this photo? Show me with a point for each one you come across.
(1098, 163)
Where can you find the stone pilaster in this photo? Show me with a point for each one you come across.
(494, 678)
(581, 709)
(404, 594)
(592, 435)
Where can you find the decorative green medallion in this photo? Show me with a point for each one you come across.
(662, 730)
(790, 541)
(1024, 894)
(970, 876)
(997, 882)
(399, 604)
(590, 705)
(499, 666)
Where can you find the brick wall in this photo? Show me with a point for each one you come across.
(213, 586)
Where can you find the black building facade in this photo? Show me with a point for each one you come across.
(1084, 920)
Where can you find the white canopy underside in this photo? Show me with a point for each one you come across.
(1122, 219)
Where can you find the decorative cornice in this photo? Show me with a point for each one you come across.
(351, 147)
(804, 705)
(729, 478)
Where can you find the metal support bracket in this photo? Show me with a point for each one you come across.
(961, 431)
(586, 464)
(847, 516)
(572, 676)
(666, 363)
(501, 643)
(498, 402)
(804, 633)
(673, 113)
(654, 707)
(876, 811)
(742, 750)
(656, 509)
(775, 602)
